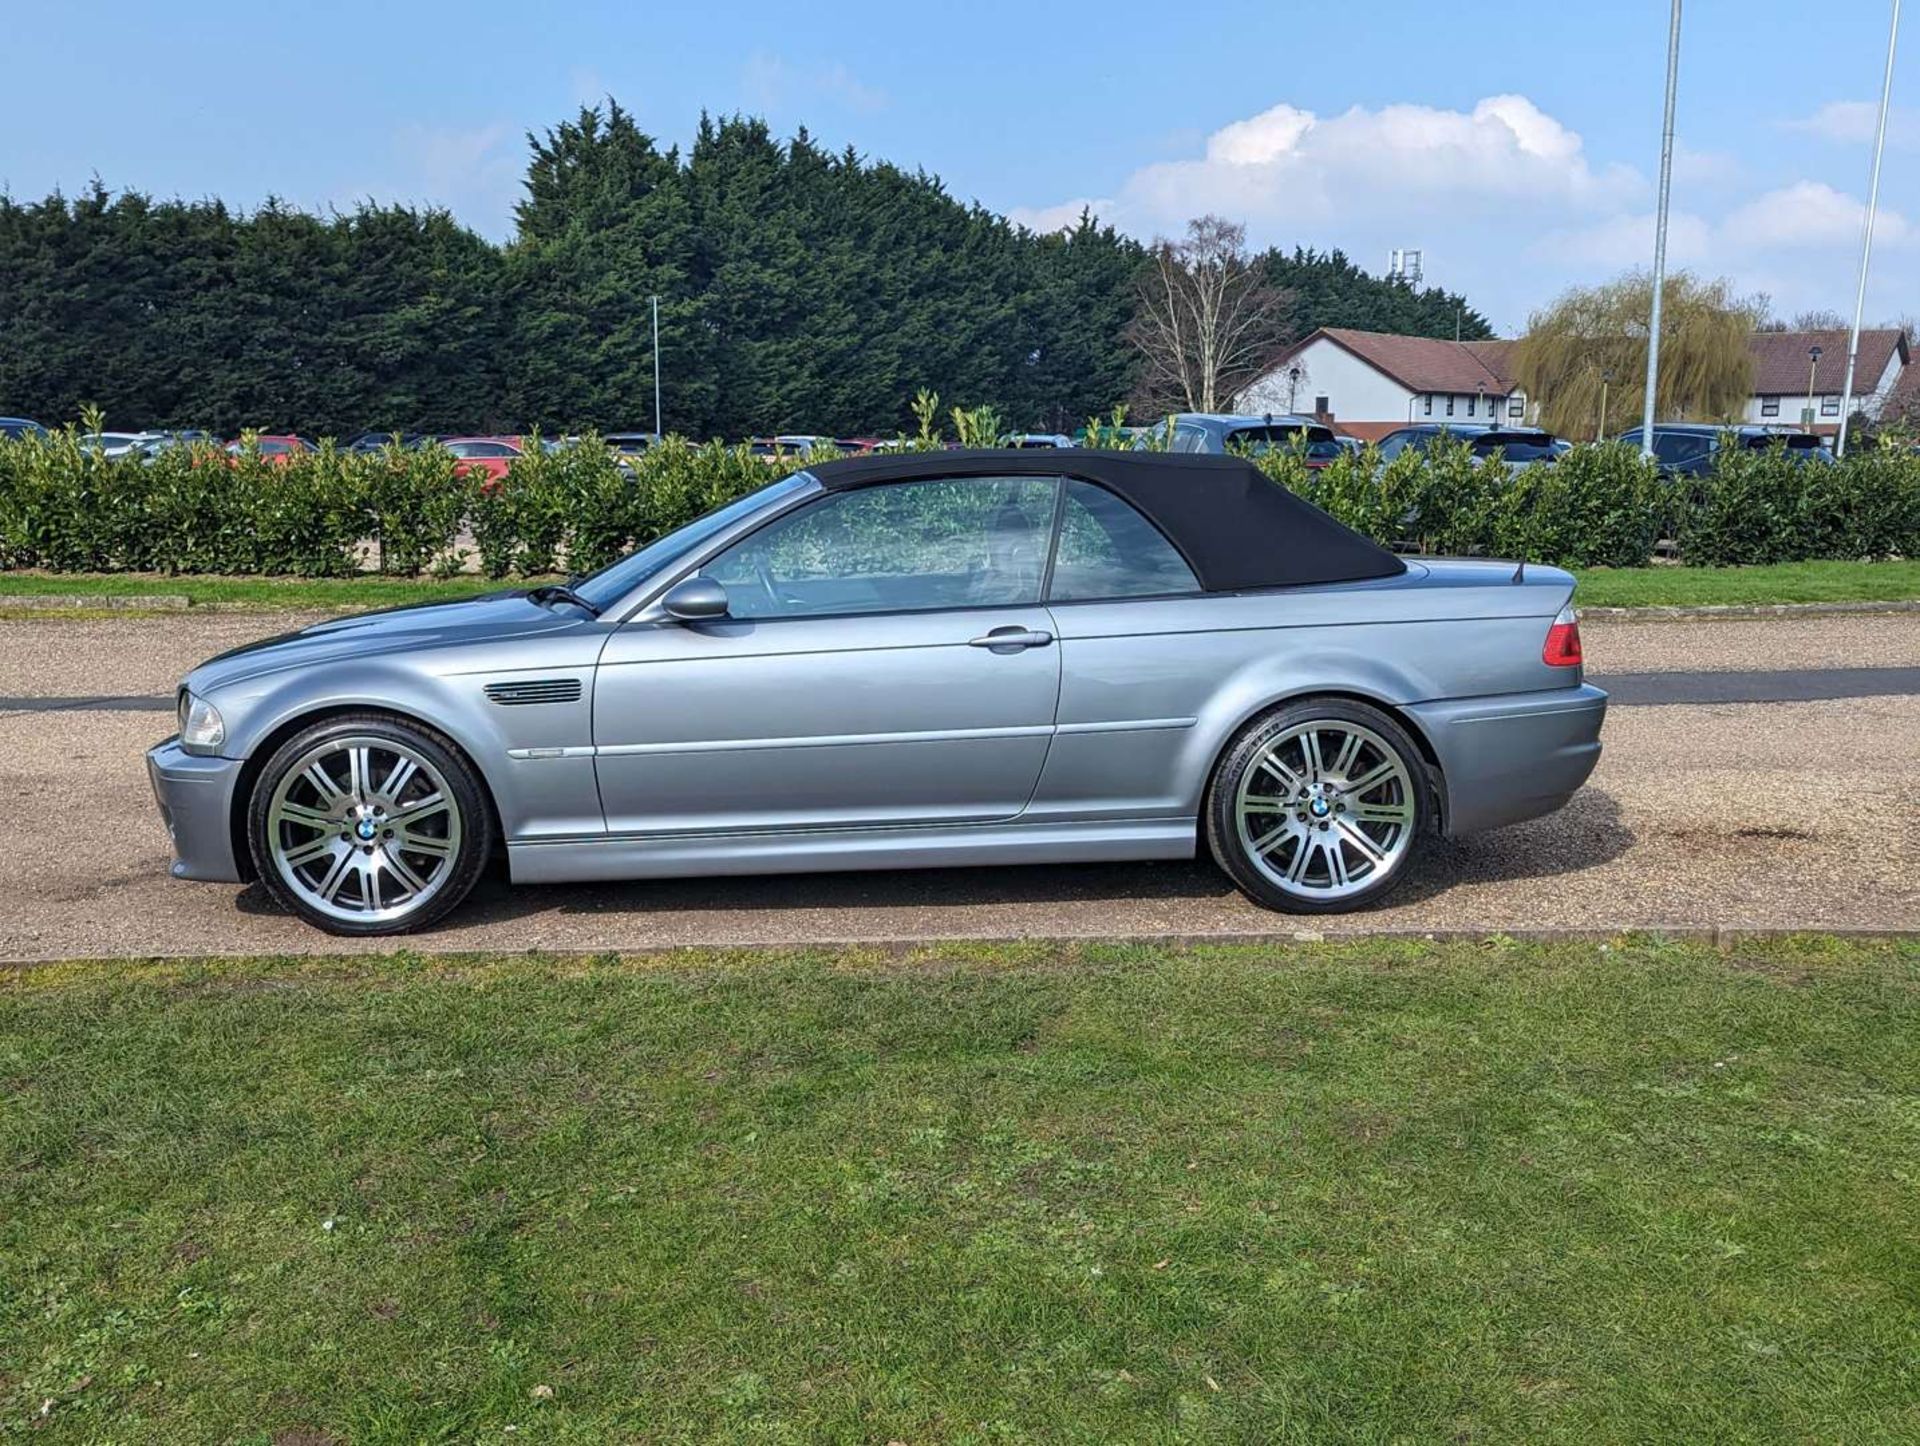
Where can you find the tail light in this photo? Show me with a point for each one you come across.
(1563, 641)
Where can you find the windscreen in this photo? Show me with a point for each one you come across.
(1255, 440)
(1517, 446)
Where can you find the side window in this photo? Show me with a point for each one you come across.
(908, 546)
(1675, 448)
(1109, 550)
(1189, 439)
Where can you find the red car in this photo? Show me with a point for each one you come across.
(275, 447)
(488, 456)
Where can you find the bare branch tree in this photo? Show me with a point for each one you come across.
(1207, 321)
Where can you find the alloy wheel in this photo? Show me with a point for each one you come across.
(1325, 809)
(363, 829)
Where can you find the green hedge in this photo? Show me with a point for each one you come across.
(328, 513)
(64, 508)
(1606, 506)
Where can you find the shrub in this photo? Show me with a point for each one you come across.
(1749, 509)
(63, 507)
(417, 501)
(1865, 506)
(1598, 506)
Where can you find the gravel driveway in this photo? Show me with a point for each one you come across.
(1758, 815)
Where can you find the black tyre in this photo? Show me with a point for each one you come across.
(364, 824)
(1317, 807)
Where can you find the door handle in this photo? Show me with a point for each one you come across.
(1012, 639)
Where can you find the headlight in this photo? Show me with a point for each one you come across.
(201, 726)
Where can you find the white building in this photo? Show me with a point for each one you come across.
(1789, 380)
(1366, 383)
(1369, 382)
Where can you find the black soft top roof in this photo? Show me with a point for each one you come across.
(1235, 527)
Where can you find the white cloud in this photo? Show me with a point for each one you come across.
(1506, 203)
(1625, 241)
(1290, 165)
(1471, 187)
(1807, 214)
(474, 172)
(1062, 217)
(1852, 122)
(1704, 168)
(773, 84)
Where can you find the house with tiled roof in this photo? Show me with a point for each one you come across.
(1790, 380)
(1366, 383)
(1369, 382)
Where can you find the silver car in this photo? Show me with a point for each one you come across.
(901, 662)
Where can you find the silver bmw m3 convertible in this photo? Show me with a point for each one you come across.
(900, 662)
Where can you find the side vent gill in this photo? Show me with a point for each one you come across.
(535, 690)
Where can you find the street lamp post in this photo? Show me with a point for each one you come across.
(1660, 230)
(1293, 385)
(1606, 380)
(1813, 370)
(658, 429)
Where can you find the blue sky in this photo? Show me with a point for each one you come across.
(1516, 144)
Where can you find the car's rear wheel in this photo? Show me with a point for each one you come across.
(1318, 806)
(368, 825)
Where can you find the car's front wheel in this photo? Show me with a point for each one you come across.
(1317, 807)
(367, 825)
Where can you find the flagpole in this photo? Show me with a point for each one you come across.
(1866, 238)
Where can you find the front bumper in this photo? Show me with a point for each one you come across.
(1513, 757)
(195, 795)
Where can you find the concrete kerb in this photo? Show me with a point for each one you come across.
(1722, 937)
(1745, 611)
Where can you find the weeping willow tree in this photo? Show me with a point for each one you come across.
(1589, 350)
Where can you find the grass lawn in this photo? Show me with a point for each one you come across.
(1785, 582)
(1380, 1191)
(343, 593)
(1599, 587)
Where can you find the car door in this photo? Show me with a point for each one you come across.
(1139, 651)
(886, 660)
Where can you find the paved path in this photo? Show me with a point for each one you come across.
(1801, 814)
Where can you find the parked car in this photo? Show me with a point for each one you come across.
(789, 446)
(153, 444)
(1223, 432)
(898, 661)
(858, 446)
(632, 444)
(1520, 446)
(277, 447)
(374, 441)
(20, 427)
(1688, 449)
(111, 444)
(1039, 440)
(485, 457)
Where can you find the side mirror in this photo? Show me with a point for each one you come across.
(695, 600)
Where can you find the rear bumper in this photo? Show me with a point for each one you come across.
(195, 795)
(1513, 757)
